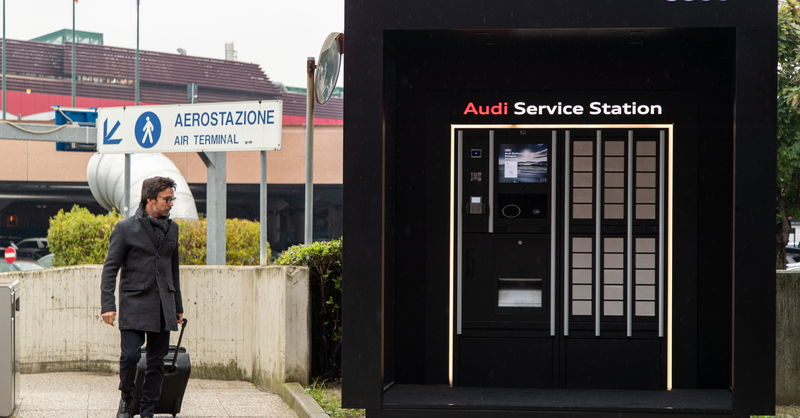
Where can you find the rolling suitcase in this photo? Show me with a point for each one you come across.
(177, 368)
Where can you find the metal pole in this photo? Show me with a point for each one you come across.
(4, 59)
(137, 53)
(216, 202)
(136, 99)
(263, 212)
(309, 216)
(73, 54)
(126, 210)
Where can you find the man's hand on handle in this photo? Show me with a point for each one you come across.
(109, 317)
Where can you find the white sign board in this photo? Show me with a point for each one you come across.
(211, 127)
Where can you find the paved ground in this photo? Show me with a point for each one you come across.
(87, 395)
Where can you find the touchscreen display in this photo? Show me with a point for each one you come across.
(522, 163)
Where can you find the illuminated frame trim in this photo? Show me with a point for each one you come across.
(452, 252)
(668, 127)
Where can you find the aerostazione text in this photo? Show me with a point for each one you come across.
(241, 118)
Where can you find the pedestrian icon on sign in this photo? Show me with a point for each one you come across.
(147, 129)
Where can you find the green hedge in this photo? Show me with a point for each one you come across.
(80, 237)
(241, 243)
(324, 260)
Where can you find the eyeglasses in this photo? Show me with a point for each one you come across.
(168, 198)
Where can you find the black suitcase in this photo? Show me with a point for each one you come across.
(176, 375)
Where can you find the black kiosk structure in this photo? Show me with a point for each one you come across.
(556, 208)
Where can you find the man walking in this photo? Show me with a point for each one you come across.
(145, 247)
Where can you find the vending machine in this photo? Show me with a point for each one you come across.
(560, 238)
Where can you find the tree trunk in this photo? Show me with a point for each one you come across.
(783, 228)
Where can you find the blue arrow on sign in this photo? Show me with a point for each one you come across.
(107, 140)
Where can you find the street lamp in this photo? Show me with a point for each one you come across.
(73, 53)
(136, 98)
(4, 60)
(321, 82)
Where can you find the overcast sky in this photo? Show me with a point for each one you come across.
(277, 34)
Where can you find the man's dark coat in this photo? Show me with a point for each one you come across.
(150, 279)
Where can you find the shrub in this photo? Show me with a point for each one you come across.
(324, 260)
(79, 236)
(241, 243)
(192, 241)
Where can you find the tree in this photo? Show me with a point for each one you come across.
(788, 187)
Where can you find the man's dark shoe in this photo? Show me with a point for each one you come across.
(124, 410)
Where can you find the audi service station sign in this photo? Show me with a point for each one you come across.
(212, 127)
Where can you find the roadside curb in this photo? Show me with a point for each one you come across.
(302, 403)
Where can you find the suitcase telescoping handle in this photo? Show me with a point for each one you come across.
(180, 337)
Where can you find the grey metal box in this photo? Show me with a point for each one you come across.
(9, 374)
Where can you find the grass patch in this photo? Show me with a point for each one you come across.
(329, 397)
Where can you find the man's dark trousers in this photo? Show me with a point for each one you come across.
(157, 348)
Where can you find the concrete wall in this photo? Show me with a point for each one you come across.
(249, 323)
(787, 343)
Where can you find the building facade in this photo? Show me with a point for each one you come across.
(36, 180)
